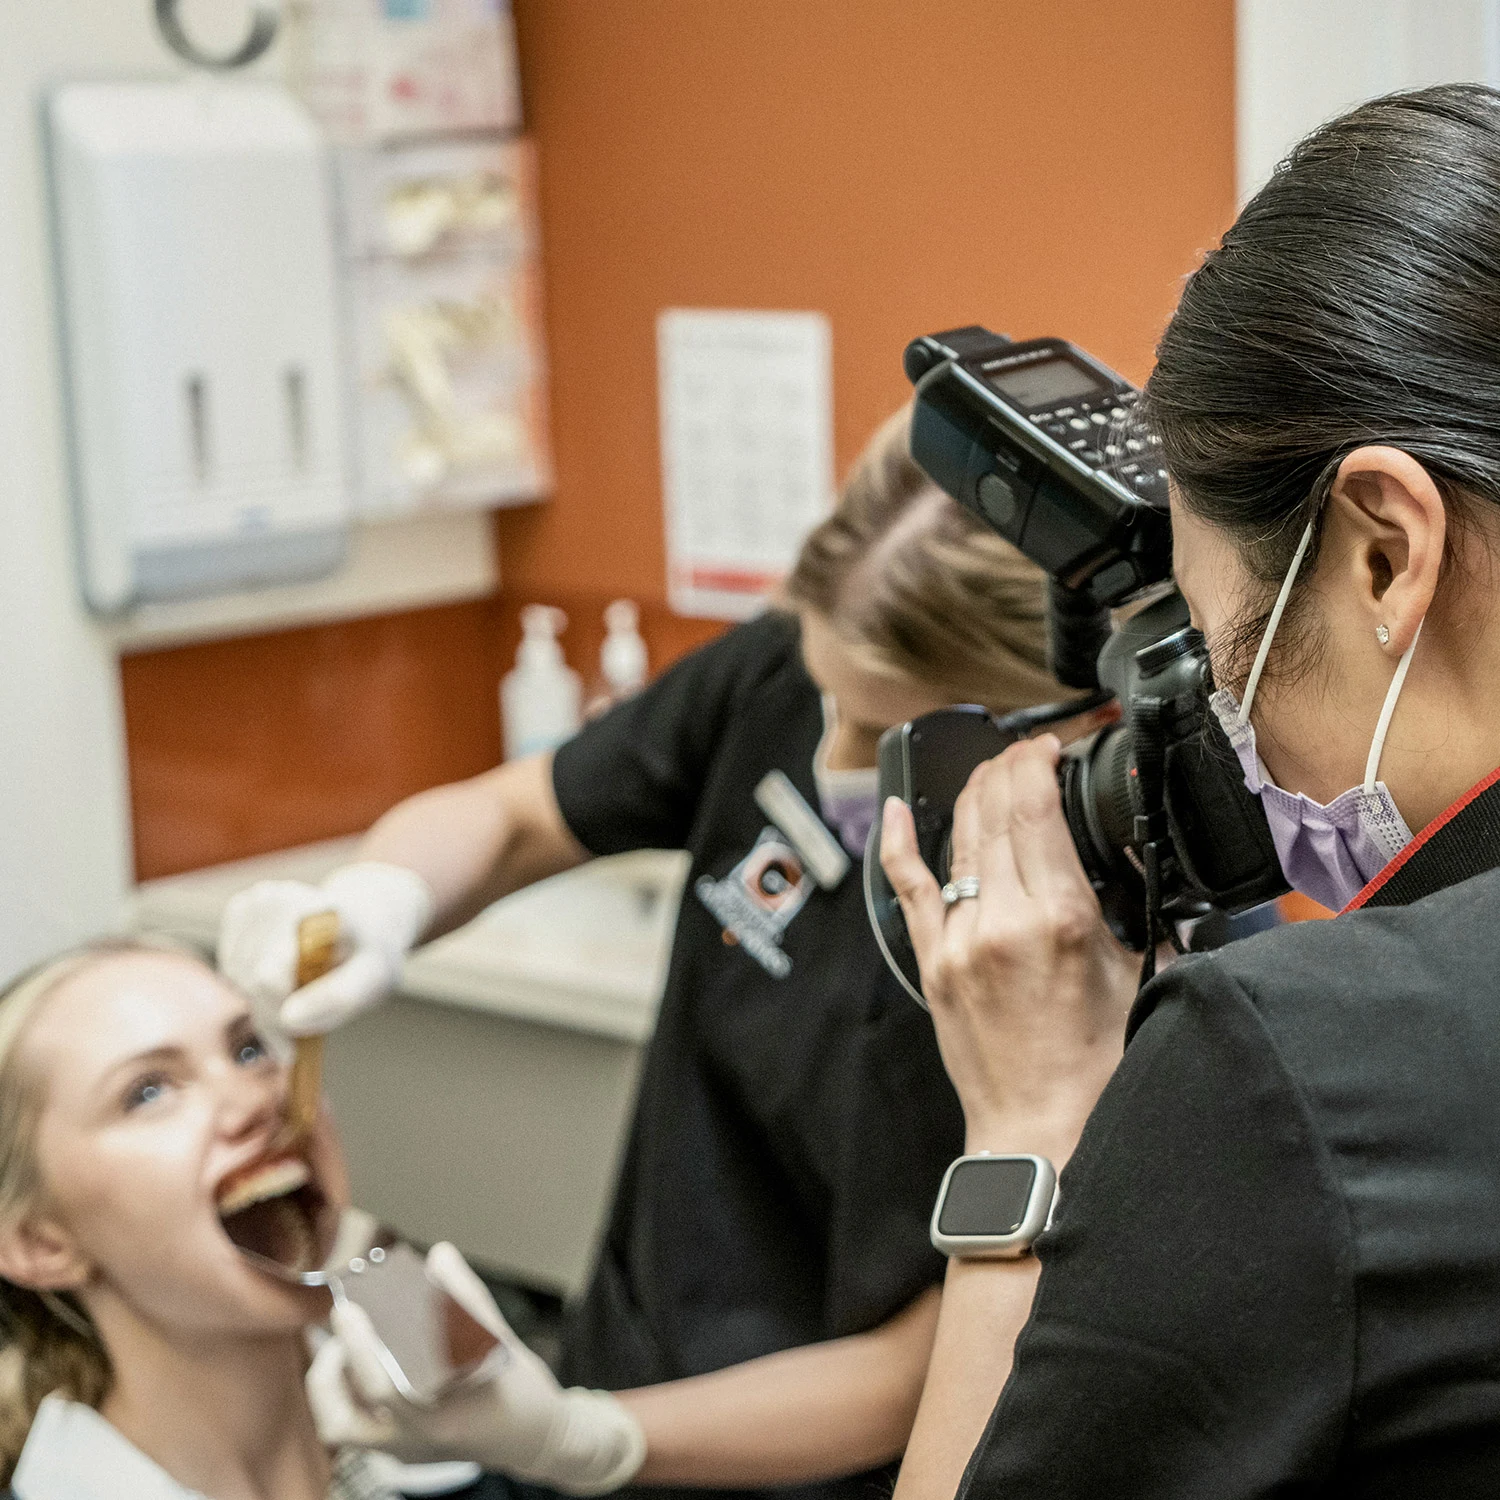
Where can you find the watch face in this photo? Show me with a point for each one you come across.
(987, 1197)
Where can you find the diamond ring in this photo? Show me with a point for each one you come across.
(965, 888)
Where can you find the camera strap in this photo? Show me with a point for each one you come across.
(1153, 840)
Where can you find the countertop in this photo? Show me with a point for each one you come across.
(587, 950)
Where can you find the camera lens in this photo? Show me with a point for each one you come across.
(1096, 796)
(1094, 778)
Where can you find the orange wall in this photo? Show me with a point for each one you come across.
(900, 166)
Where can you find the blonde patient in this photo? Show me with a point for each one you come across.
(144, 1357)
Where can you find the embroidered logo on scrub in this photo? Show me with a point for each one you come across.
(758, 898)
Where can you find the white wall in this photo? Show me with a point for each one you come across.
(63, 819)
(1300, 62)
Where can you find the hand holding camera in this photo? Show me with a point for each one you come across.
(1005, 883)
(1028, 988)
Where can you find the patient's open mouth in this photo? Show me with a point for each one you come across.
(274, 1208)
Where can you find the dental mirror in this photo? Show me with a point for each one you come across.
(429, 1342)
(334, 1239)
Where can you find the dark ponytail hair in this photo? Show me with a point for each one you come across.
(1355, 300)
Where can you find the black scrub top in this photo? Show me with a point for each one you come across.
(1275, 1267)
(794, 1120)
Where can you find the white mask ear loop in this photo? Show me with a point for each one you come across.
(830, 723)
(1253, 680)
(1372, 765)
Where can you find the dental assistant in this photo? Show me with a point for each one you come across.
(1275, 1262)
(766, 1292)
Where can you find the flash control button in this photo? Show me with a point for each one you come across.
(997, 503)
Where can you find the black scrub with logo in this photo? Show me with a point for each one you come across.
(794, 1119)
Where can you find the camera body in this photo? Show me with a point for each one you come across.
(1039, 441)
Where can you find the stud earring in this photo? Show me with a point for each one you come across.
(1382, 635)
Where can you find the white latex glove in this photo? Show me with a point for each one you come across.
(510, 1416)
(383, 909)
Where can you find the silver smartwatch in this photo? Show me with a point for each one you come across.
(993, 1207)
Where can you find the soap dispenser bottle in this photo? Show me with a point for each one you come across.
(622, 658)
(541, 698)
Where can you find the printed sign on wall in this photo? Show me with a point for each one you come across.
(747, 451)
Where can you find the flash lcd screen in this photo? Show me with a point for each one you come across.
(1044, 383)
(987, 1197)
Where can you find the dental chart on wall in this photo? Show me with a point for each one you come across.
(746, 451)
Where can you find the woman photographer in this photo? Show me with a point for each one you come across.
(1275, 1261)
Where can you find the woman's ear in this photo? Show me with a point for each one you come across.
(41, 1255)
(1388, 507)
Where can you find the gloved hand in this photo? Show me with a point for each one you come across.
(383, 909)
(510, 1415)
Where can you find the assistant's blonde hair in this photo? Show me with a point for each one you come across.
(916, 586)
(47, 1341)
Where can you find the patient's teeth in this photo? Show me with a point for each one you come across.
(270, 1180)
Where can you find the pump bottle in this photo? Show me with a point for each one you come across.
(541, 698)
(622, 659)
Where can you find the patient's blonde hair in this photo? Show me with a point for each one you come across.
(917, 587)
(47, 1341)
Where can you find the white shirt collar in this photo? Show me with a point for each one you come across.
(72, 1453)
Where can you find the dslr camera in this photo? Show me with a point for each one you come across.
(1041, 442)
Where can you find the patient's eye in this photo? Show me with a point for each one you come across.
(146, 1089)
(250, 1050)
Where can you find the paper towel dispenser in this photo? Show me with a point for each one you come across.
(200, 327)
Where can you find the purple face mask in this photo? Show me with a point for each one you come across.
(1327, 851)
(848, 800)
